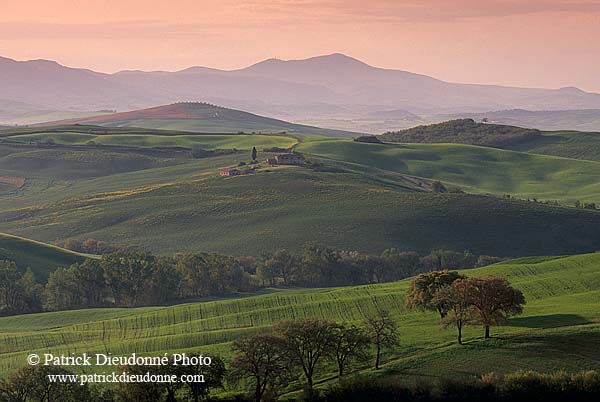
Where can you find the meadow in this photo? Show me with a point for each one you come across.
(205, 141)
(190, 208)
(568, 144)
(473, 169)
(558, 330)
(40, 257)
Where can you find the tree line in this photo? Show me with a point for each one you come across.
(133, 278)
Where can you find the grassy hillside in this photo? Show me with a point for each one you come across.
(202, 118)
(559, 327)
(188, 207)
(205, 141)
(40, 257)
(475, 169)
(569, 144)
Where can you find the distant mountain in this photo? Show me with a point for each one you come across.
(199, 117)
(346, 84)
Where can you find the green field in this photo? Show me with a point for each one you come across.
(569, 144)
(474, 169)
(205, 141)
(199, 117)
(188, 207)
(558, 330)
(40, 257)
(165, 201)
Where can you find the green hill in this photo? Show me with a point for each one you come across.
(474, 169)
(94, 136)
(558, 330)
(40, 257)
(201, 118)
(188, 207)
(463, 131)
(569, 144)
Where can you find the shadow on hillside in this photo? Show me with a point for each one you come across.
(548, 321)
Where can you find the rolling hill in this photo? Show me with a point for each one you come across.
(583, 120)
(40, 257)
(464, 131)
(558, 330)
(568, 144)
(474, 169)
(200, 117)
(188, 207)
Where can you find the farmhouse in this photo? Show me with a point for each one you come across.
(287, 159)
(229, 172)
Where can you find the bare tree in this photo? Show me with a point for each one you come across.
(262, 360)
(350, 343)
(383, 331)
(308, 342)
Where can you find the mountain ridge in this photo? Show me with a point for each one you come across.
(334, 79)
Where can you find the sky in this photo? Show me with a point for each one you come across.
(530, 43)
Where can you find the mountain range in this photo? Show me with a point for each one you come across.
(332, 86)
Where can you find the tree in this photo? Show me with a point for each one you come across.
(460, 310)
(493, 299)
(383, 331)
(307, 342)
(262, 360)
(144, 391)
(214, 374)
(126, 274)
(18, 293)
(32, 384)
(282, 264)
(254, 153)
(350, 343)
(79, 286)
(162, 284)
(424, 287)
(32, 292)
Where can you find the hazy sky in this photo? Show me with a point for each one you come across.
(547, 43)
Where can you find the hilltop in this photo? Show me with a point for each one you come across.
(40, 257)
(569, 144)
(464, 131)
(200, 118)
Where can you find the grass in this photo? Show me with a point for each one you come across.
(203, 118)
(569, 144)
(559, 328)
(285, 207)
(205, 141)
(474, 169)
(40, 257)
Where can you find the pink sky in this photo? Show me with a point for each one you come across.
(545, 43)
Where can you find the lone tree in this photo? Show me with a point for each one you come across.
(493, 299)
(307, 342)
(350, 343)
(253, 153)
(262, 360)
(424, 288)
(459, 309)
(383, 331)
